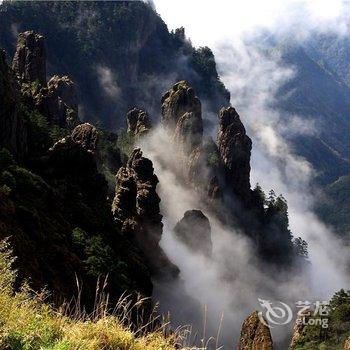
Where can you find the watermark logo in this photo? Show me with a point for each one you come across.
(276, 314)
(279, 313)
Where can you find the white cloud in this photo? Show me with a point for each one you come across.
(210, 22)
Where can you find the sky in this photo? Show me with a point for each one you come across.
(253, 80)
(207, 22)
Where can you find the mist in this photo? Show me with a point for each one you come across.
(253, 79)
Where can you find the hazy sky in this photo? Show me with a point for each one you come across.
(206, 22)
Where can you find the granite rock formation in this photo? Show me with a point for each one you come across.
(13, 133)
(235, 149)
(205, 168)
(87, 135)
(29, 62)
(136, 211)
(182, 116)
(56, 100)
(139, 122)
(195, 232)
(255, 335)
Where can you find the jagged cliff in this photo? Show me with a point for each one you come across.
(220, 173)
(54, 202)
(136, 210)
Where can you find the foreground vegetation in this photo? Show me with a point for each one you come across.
(27, 322)
(338, 331)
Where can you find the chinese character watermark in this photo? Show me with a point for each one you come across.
(308, 313)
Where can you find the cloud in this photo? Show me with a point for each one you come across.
(254, 78)
(108, 82)
(222, 20)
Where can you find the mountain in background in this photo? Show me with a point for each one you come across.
(319, 93)
(116, 52)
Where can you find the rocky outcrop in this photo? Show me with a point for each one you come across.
(182, 116)
(58, 102)
(13, 134)
(29, 62)
(194, 231)
(235, 148)
(86, 135)
(136, 211)
(255, 335)
(65, 89)
(205, 168)
(139, 123)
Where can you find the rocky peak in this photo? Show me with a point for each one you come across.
(13, 134)
(58, 102)
(65, 89)
(204, 168)
(136, 211)
(86, 135)
(235, 149)
(138, 122)
(194, 230)
(29, 62)
(182, 116)
(255, 335)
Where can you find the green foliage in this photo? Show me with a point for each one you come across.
(27, 323)
(126, 142)
(99, 257)
(333, 337)
(106, 32)
(301, 247)
(214, 159)
(6, 159)
(334, 207)
(30, 89)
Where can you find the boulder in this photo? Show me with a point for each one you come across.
(87, 135)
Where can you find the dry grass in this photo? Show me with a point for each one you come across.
(27, 322)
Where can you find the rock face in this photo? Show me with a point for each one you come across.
(87, 135)
(235, 148)
(138, 122)
(298, 330)
(58, 102)
(136, 211)
(194, 230)
(12, 130)
(204, 169)
(29, 62)
(255, 335)
(182, 116)
(65, 90)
